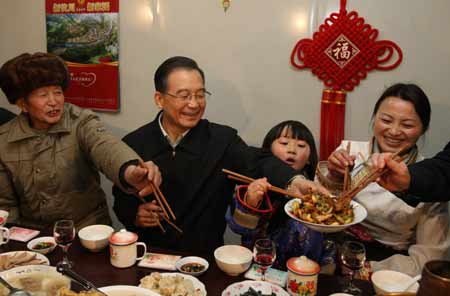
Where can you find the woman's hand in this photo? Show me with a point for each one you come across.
(338, 161)
(255, 192)
(148, 214)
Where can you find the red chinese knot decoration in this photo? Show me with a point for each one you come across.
(341, 53)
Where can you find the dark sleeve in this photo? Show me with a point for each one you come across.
(430, 179)
(125, 208)
(125, 204)
(258, 163)
(6, 116)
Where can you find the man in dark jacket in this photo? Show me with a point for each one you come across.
(424, 181)
(191, 153)
(5, 116)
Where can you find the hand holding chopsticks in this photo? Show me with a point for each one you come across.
(374, 173)
(397, 178)
(303, 188)
(142, 176)
(161, 203)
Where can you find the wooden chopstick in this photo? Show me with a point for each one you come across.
(172, 224)
(160, 196)
(163, 198)
(162, 202)
(347, 169)
(347, 196)
(245, 179)
(158, 199)
(160, 226)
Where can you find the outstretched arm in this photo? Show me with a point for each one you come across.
(424, 181)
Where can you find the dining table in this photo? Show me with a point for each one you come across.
(96, 267)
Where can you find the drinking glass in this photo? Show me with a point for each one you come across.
(264, 254)
(64, 234)
(353, 256)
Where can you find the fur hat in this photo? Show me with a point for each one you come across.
(27, 72)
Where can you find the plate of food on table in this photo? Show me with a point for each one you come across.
(254, 288)
(168, 284)
(324, 214)
(20, 258)
(36, 279)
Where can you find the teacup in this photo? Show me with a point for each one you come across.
(4, 232)
(3, 217)
(302, 276)
(123, 248)
(435, 278)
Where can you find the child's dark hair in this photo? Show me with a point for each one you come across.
(298, 131)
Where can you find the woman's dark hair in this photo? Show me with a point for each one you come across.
(27, 72)
(298, 131)
(170, 65)
(411, 93)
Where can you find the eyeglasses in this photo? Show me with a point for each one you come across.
(185, 96)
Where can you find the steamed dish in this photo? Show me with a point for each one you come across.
(37, 283)
(319, 209)
(169, 285)
(8, 261)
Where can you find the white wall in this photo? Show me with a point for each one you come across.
(245, 54)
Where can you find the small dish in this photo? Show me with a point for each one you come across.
(192, 265)
(43, 245)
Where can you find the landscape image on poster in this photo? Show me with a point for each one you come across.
(90, 38)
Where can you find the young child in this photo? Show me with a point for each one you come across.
(253, 215)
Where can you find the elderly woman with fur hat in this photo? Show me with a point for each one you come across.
(51, 153)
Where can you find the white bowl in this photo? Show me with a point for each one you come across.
(95, 237)
(359, 211)
(32, 245)
(121, 290)
(192, 259)
(233, 259)
(388, 281)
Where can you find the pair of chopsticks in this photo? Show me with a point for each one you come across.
(244, 179)
(163, 204)
(373, 175)
(347, 171)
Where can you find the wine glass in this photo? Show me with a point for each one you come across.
(353, 256)
(64, 234)
(264, 254)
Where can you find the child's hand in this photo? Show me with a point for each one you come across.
(255, 192)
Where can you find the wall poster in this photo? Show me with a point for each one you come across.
(85, 34)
